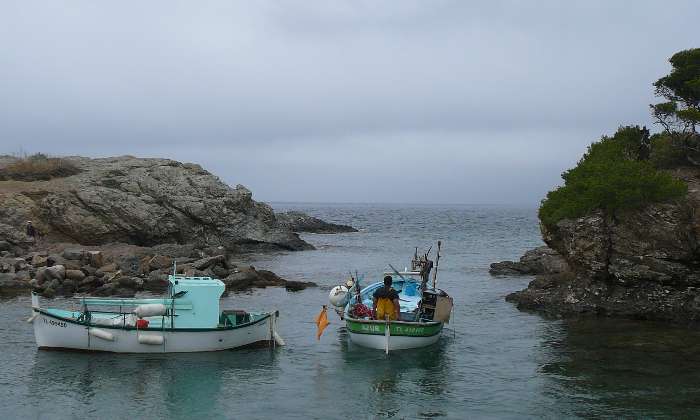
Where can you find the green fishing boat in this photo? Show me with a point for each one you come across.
(424, 309)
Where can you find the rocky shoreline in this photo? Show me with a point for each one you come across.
(123, 270)
(640, 264)
(299, 222)
(117, 226)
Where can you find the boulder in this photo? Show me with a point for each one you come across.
(76, 275)
(57, 272)
(54, 259)
(39, 260)
(73, 254)
(5, 246)
(107, 268)
(297, 221)
(158, 262)
(40, 275)
(23, 276)
(295, 286)
(107, 289)
(240, 280)
(72, 265)
(208, 262)
(67, 287)
(88, 281)
(156, 281)
(53, 284)
(95, 259)
(219, 272)
(88, 270)
(9, 284)
(541, 260)
(129, 282)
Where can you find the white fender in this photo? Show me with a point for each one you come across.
(150, 339)
(105, 335)
(150, 309)
(278, 339)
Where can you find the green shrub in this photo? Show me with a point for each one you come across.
(38, 167)
(667, 151)
(614, 174)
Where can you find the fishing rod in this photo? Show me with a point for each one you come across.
(397, 273)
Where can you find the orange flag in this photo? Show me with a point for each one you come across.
(321, 322)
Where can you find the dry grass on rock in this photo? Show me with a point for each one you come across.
(38, 167)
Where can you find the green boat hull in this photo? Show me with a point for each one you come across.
(396, 328)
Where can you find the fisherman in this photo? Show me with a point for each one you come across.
(31, 231)
(386, 301)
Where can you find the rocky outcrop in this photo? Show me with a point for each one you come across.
(541, 260)
(123, 270)
(297, 221)
(635, 264)
(143, 202)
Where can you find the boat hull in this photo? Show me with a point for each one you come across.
(53, 332)
(403, 335)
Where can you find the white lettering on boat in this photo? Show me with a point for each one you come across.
(397, 329)
(55, 323)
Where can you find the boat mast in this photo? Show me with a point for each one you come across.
(437, 262)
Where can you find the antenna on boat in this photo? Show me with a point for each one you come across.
(437, 262)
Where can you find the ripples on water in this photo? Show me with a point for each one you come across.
(492, 361)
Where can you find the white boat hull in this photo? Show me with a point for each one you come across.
(395, 342)
(54, 333)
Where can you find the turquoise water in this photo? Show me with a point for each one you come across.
(493, 361)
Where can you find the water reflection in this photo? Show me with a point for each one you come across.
(618, 367)
(162, 385)
(400, 383)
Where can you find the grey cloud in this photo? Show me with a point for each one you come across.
(270, 93)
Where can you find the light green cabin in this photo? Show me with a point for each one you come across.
(203, 294)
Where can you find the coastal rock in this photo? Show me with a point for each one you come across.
(9, 284)
(57, 272)
(95, 259)
(123, 275)
(144, 202)
(297, 221)
(205, 263)
(159, 262)
(39, 261)
(642, 264)
(541, 260)
(76, 275)
(248, 277)
(73, 254)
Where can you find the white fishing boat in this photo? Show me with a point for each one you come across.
(187, 320)
(423, 310)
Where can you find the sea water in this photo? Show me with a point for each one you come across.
(492, 361)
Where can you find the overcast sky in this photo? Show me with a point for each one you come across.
(339, 101)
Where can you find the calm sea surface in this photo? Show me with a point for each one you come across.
(493, 361)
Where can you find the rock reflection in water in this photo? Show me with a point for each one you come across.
(605, 367)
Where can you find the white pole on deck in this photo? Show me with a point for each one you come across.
(387, 333)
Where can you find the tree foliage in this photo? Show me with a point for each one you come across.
(680, 113)
(614, 174)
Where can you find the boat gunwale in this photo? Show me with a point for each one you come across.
(129, 328)
(381, 321)
(395, 335)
